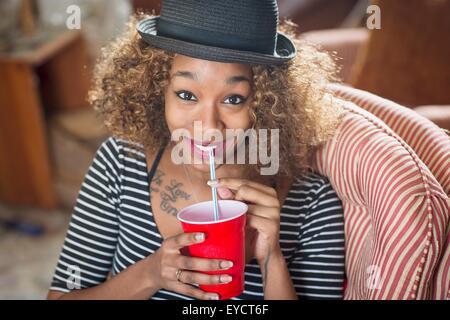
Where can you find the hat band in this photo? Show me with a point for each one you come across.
(170, 29)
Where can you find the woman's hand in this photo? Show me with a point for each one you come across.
(164, 264)
(263, 218)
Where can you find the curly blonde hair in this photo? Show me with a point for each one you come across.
(131, 76)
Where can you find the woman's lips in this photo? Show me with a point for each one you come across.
(199, 148)
(202, 154)
(202, 143)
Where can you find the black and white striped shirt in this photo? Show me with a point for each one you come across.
(112, 227)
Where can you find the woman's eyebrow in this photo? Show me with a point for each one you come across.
(185, 74)
(236, 79)
(193, 76)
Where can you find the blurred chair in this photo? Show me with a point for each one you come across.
(396, 211)
(346, 45)
(407, 59)
(319, 14)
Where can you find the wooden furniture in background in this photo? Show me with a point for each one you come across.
(407, 59)
(27, 19)
(53, 75)
(147, 5)
(347, 43)
(316, 14)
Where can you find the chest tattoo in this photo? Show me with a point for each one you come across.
(169, 194)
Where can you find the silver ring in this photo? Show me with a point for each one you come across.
(178, 274)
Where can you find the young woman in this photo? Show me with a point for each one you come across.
(228, 71)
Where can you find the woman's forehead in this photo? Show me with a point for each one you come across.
(203, 68)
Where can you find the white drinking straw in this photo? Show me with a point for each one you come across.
(212, 170)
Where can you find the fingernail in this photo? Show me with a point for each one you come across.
(226, 264)
(225, 278)
(224, 192)
(213, 297)
(199, 237)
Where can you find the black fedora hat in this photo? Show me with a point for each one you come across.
(241, 31)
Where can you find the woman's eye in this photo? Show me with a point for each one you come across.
(236, 99)
(188, 96)
(185, 95)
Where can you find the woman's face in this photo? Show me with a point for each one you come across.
(214, 94)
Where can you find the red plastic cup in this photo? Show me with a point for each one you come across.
(224, 239)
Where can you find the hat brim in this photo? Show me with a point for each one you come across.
(285, 49)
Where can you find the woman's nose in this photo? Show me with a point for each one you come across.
(210, 118)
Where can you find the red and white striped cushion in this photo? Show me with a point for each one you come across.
(428, 141)
(396, 213)
(431, 144)
(440, 289)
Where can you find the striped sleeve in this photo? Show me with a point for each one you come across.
(89, 246)
(318, 267)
